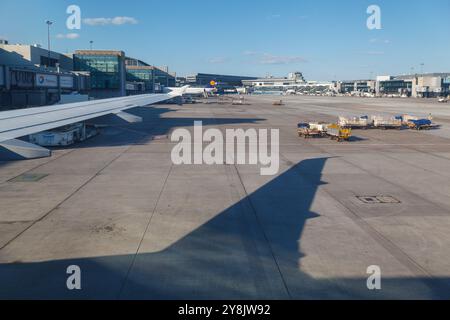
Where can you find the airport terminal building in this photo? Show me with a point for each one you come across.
(145, 78)
(428, 85)
(28, 77)
(294, 81)
(204, 80)
(350, 86)
(418, 86)
(33, 76)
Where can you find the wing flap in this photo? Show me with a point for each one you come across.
(25, 149)
(128, 117)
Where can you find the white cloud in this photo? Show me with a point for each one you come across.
(274, 16)
(124, 20)
(70, 36)
(375, 40)
(249, 53)
(218, 60)
(375, 53)
(97, 21)
(272, 59)
(117, 21)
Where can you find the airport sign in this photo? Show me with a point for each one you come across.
(46, 80)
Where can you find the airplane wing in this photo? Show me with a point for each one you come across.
(18, 123)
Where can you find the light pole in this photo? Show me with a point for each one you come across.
(91, 43)
(421, 68)
(49, 23)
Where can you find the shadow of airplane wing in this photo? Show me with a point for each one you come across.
(230, 256)
(251, 250)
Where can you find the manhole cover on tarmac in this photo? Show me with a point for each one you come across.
(377, 199)
(29, 177)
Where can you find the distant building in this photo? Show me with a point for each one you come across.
(431, 85)
(355, 86)
(204, 80)
(144, 78)
(163, 78)
(394, 86)
(425, 86)
(417, 85)
(293, 80)
(107, 70)
(181, 81)
(33, 55)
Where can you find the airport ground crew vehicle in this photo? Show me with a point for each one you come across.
(278, 103)
(310, 130)
(421, 124)
(339, 133)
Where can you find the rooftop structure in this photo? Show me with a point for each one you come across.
(33, 55)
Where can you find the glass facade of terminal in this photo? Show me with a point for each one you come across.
(141, 75)
(203, 79)
(105, 70)
(395, 86)
(347, 87)
(163, 78)
(446, 85)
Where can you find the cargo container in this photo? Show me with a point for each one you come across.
(355, 122)
(320, 126)
(387, 123)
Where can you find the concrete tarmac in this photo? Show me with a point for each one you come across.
(140, 227)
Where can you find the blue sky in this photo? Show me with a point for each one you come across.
(326, 40)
